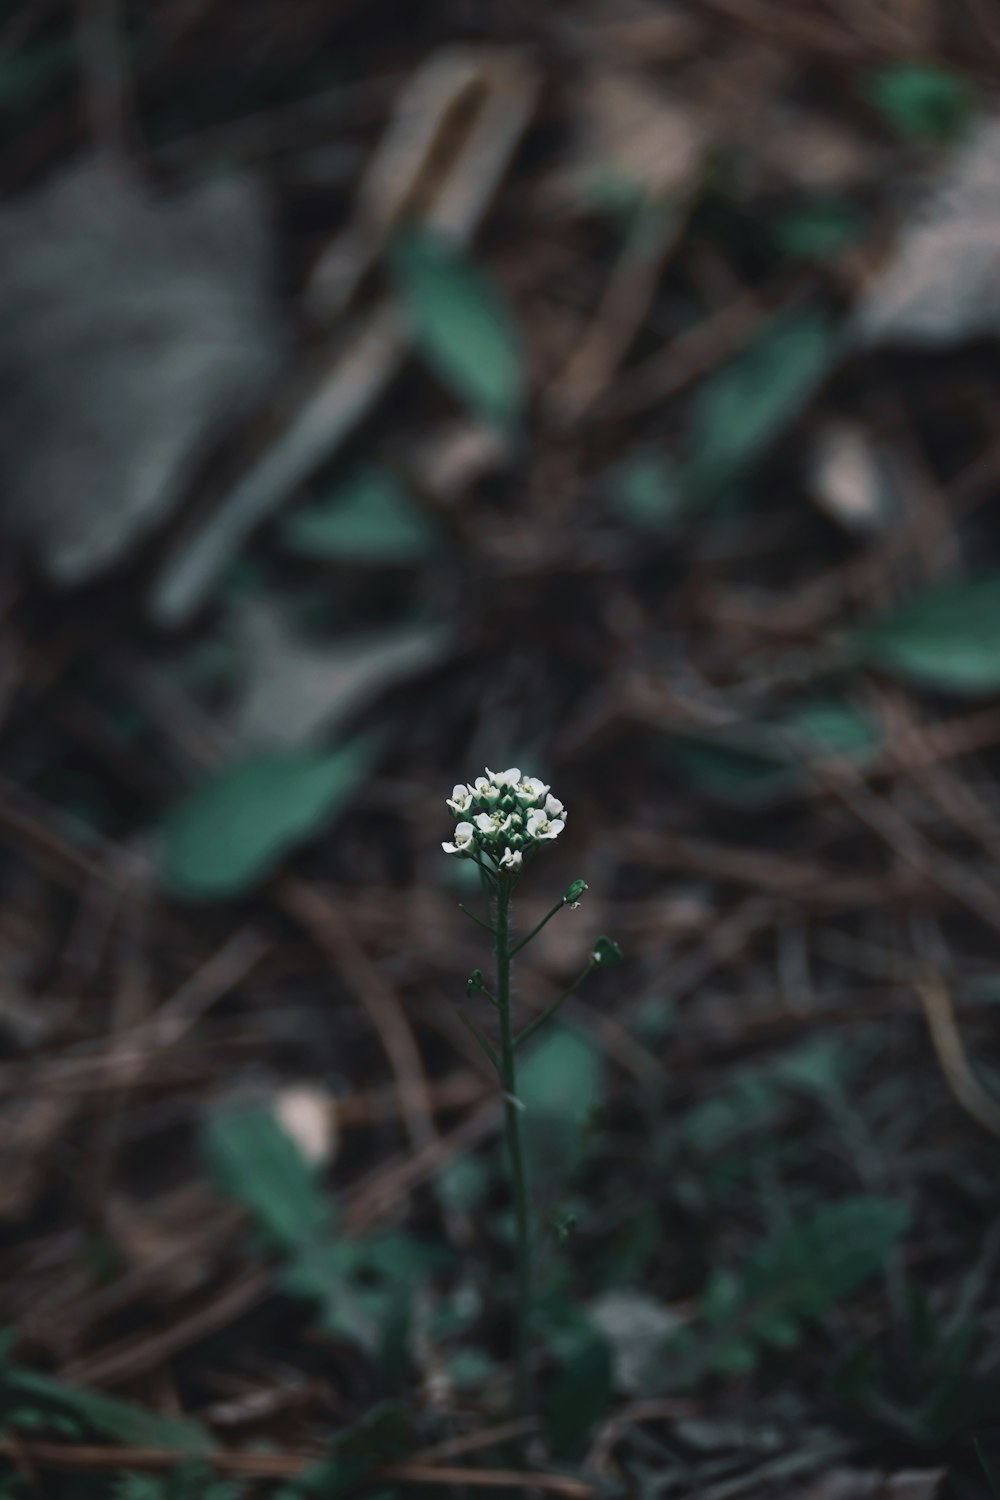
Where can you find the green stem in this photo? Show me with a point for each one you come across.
(550, 1010)
(478, 920)
(515, 1147)
(536, 930)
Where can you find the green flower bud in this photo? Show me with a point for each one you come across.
(475, 984)
(606, 952)
(575, 891)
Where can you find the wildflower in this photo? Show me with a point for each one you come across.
(460, 800)
(491, 824)
(485, 790)
(541, 826)
(530, 791)
(463, 840)
(554, 807)
(511, 859)
(509, 778)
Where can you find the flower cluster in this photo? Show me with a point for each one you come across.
(506, 816)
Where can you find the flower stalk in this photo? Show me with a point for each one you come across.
(505, 819)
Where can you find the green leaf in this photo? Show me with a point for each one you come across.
(384, 1435)
(107, 1415)
(728, 774)
(740, 412)
(922, 102)
(460, 324)
(561, 1087)
(561, 1078)
(817, 229)
(259, 1165)
(371, 518)
(947, 638)
(231, 831)
(645, 492)
(829, 726)
(801, 1273)
(579, 1393)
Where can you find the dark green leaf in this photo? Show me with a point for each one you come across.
(259, 1165)
(384, 1435)
(645, 492)
(817, 229)
(579, 1392)
(232, 831)
(561, 1077)
(369, 519)
(107, 1415)
(561, 1086)
(460, 324)
(740, 412)
(920, 101)
(799, 1275)
(947, 638)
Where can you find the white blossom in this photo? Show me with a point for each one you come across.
(505, 778)
(541, 826)
(530, 791)
(485, 789)
(492, 823)
(511, 859)
(463, 840)
(554, 807)
(461, 799)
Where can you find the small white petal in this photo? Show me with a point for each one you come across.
(556, 827)
(553, 806)
(484, 822)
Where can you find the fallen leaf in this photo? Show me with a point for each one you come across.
(849, 478)
(309, 1116)
(864, 1484)
(134, 329)
(942, 285)
(638, 135)
(296, 690)
(637, 1328)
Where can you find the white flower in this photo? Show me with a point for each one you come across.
(554, 807)
(540, 826)
(511, 859)
(492, 823)
(505, 778)
(461, 799)
(485, 790)
(463, 840)
(530, 790)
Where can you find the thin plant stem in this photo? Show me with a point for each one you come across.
(478, 920)
(536, 930)
(515, 1148)
(550, 1010)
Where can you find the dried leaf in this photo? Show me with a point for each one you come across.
(943, 283)
(849, 479)
(640, 136)
(133, 330)
(295, 690)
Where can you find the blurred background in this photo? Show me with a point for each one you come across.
(605, 388)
